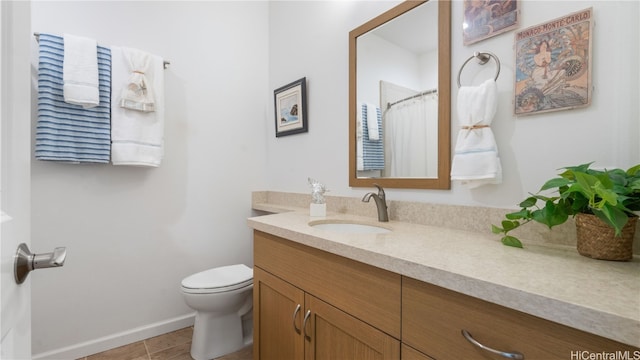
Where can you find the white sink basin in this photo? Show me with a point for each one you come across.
(348, 227)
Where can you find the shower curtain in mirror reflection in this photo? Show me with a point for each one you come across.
(412, 138)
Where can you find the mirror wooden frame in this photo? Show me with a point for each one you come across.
(443, 181)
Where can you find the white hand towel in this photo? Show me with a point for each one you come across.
(80, 71)
(138, 92)
(476, 161)
(137, 137)
(372, 122)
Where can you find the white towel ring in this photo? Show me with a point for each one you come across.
(483, 58)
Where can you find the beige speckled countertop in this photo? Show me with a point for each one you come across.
(554, 283)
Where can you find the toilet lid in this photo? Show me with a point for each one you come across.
(225, 278)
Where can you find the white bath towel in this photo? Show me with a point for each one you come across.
(372, 126)
(476, 161)
(137, 137)
(80, 71)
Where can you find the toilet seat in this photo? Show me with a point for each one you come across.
(217, 280)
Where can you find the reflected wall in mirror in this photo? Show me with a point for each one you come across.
(399, 98)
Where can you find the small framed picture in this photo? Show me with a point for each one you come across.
(291, 108)
(486, 18)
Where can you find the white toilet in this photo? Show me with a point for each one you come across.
(223, 300)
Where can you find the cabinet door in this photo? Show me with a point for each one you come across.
(333, 334)
(277, 318)
(409, 353)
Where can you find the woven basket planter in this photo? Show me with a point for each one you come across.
(597, 240)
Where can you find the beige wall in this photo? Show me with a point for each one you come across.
(531, 147)
(131, 233)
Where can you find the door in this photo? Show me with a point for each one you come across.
(278, 317)
(15, 154)
(333, 334)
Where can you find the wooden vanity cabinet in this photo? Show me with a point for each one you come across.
(433, 318)
(309, 304)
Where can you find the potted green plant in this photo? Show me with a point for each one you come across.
(606, 199)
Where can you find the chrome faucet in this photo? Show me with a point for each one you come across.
(381, 203)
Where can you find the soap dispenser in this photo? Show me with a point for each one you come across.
(318, 206)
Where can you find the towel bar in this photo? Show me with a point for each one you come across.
(165, 62)
(483, 58)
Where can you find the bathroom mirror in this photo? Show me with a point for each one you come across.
(400, 76)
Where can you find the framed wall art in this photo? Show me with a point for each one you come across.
(486, 18)
(291, 108)
(553, 65)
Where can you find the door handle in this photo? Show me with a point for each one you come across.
(304, 324)
(25, 261)
(509, 355)
(295, 315)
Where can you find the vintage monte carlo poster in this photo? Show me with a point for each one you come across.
(553, 65)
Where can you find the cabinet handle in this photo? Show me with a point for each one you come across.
(304, 324)
(295, 314)
(509, 355)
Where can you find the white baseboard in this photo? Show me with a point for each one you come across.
(113, 341)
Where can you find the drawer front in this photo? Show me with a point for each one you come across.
(366, 292)
(433, 319)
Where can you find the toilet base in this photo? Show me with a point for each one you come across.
(227, 327)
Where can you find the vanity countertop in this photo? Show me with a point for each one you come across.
(554, 283)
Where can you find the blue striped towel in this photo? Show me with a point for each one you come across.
(372, 150)
(67, 132)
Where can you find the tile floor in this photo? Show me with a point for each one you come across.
(172, 346)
